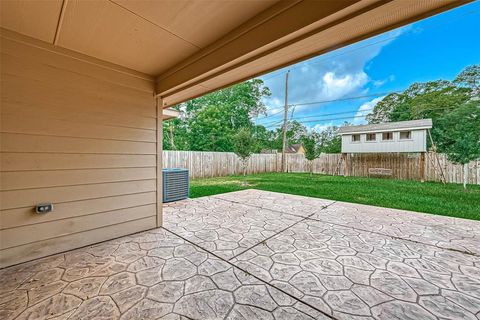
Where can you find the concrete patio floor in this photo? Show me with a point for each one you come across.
(261, 255)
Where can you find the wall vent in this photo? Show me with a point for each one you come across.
(175, 184)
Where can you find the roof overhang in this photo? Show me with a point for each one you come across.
(194, 47)
(383, 130)
(170, 113)
(421, 124)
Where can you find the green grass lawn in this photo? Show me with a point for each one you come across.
(429, 197)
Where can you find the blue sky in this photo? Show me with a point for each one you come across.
(436, 48)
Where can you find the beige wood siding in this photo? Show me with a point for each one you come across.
(80, 135)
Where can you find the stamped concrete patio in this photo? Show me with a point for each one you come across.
(261, 255)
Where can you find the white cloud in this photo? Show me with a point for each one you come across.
(319, 127)
(335, 75)
(334, 86)
(365, 109)
(274, 111)
(379, 83)
(274, 105)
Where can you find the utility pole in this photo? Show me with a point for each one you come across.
(285, 116)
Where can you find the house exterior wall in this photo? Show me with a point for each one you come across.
(417, 143)
(79, 135)
(301, 150)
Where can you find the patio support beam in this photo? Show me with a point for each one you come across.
(159, 161)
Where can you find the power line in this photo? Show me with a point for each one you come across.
(330, 101)
(271, 115)
(272, 125)
(329, 119)
(345, 99)
(322, 115)
(359, 116)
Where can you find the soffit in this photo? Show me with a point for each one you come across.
(37, 19)
(119, 36)
(198, 22)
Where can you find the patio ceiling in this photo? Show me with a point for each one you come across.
(194, 47)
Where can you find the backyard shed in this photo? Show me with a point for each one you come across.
(395, 138)
(401, 136)
(84, 85)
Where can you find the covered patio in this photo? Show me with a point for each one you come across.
(261, 255)
(84, 233)
(86, 85)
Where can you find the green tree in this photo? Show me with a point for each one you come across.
(295, 132)
(244, 144)
(433, 99)
(209, 122)
(174, 135)
(265, 138)
(420, 100)
(458, 135)
(211, 129)
(310, 145)
(329, 141)
(469, 78)
(428, 100)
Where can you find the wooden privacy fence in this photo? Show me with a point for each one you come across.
(400, 166)
(216, 164)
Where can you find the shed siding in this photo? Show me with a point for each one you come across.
(417, 143)
(79, 135)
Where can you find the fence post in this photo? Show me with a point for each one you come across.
(422, 166)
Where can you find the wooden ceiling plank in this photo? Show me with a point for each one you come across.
(126, 6)
(60, 20)
(37, 19)
(210, 19)
(109, 32)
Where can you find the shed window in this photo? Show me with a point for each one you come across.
(355, 138)
(387, 136)
(405, 135)
(371, 136)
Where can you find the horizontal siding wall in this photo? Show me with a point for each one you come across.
(77, 134)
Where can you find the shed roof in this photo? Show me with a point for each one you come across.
(389, 126)
(293, 148)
